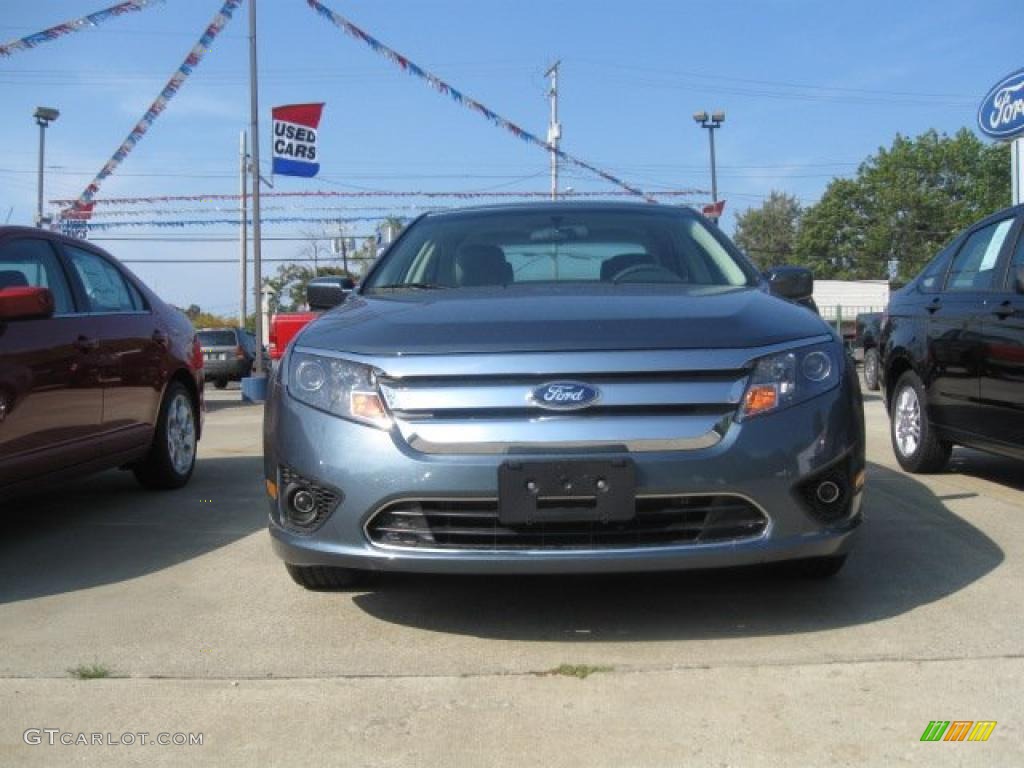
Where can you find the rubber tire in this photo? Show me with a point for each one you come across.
(932, 454)
(814, 567)
(871, 367)
(320, 577)
(220, 383)
(156, 471)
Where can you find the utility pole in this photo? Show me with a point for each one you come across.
(243, 198)
(554, 127)
(254, 129)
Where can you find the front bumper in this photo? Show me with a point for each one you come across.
(764, 459)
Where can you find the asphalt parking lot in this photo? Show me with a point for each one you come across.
(181, 598)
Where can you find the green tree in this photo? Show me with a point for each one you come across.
(768, 233)
(905, 203)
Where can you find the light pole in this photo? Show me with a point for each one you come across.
(711, 122)
(44, 116)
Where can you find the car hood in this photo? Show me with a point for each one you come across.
(559, 318)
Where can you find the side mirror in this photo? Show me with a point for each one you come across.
(25, 303)
(327, 292)
(793, 283)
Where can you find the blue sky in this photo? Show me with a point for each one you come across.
(809, 88)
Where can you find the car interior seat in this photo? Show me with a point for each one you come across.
(482, 264)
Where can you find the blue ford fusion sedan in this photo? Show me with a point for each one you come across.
(563, 387)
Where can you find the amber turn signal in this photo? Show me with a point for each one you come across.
(368, 406)
(760, 398)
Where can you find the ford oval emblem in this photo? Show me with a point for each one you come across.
(1001, 114)
(565, 395)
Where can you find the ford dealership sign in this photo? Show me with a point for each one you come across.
(1001, 114)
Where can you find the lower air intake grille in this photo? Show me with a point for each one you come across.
(325, 500)
(472, 524)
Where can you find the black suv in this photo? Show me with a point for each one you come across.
(953, 349)
(865, 346)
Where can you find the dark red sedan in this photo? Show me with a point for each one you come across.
(95, 370)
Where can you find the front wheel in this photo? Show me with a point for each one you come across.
(814, 567)
(871, 369)
(172, 456)
(321, 577)
(918, 449)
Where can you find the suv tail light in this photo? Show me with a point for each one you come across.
(239, 352)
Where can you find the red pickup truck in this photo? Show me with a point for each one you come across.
(322, 293)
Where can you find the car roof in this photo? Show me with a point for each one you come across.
(11, 230)
(555, 206)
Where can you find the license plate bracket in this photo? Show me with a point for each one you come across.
(566, 491)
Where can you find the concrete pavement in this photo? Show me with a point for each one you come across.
(179, 595)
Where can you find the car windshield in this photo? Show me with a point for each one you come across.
(503, 248)
(217, 338)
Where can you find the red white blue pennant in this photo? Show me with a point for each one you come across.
(75, 25)
(460, 98)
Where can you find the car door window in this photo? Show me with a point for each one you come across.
(103, 283)
(1016, 265)
(33, 262)
(974, 267)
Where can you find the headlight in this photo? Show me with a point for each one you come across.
(787, 378)
(337, 386)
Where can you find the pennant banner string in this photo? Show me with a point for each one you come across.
(459, 195)
(167, 223)
(458, 97)
(85, 200)
(75, 25)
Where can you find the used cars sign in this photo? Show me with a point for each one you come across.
(1001, 114)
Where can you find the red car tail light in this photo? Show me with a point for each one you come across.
(195, 361)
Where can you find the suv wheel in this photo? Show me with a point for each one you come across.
(320, 577)
(871, 369)
(914, 441)
(220, 383)
(172, 456)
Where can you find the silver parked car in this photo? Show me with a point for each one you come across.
(558, 388)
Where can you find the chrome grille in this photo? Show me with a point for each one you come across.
(472, 524)
(482, 414)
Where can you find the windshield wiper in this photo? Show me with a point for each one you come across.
(409, 286)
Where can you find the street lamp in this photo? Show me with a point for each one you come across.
(711, 122)
(44, 116)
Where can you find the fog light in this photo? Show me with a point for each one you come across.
(828, 492)
(301, 506)
(827, 495)
(304, 503)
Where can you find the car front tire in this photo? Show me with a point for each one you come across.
(320, 577)
(871, 370)
(918, 449)
(172, 456)
(814, 567)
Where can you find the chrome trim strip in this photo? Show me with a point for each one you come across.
(638, 434)
(552, 552)
(481, 395)
(567, 364)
